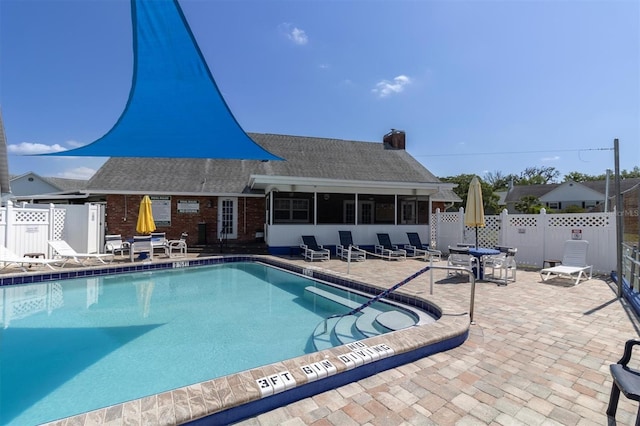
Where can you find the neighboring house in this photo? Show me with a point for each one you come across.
(32, 187)
(557, 197)
(325, 185)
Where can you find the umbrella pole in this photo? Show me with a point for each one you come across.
(476, 236)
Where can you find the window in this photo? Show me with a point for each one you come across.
(290, 210)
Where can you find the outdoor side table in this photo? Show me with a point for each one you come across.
(34, 256)
(551, 262)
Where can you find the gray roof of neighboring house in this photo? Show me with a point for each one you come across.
(307, 157)
(65, 184)
(520, 191)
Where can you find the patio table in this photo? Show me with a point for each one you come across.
(478, 253)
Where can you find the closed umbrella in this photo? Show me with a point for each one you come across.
(474, 211)
(146, 224)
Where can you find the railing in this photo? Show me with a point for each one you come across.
(631, 265)
(405, 281)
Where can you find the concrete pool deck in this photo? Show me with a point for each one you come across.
(537, 353)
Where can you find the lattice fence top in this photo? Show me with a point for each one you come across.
(579, 221)
(450, 217)
(522, 221)
(31, 216)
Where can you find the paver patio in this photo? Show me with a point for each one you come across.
(538, 354)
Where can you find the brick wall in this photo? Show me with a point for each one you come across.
(122, 214)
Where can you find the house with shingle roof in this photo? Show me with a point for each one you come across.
(31, 186)
(589, 195)
(323, 185)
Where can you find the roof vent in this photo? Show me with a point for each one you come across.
(395, 139)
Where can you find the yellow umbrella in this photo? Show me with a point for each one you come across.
(474, 211)
(146, 224)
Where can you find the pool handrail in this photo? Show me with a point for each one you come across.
(405, 281)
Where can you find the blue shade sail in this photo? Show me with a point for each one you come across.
(175, 109)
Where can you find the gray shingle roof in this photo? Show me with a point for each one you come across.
(64, 184)
(519, 191)
(307, 157)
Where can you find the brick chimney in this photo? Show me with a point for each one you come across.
(394, 139)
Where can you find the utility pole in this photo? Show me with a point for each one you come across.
(619, 216)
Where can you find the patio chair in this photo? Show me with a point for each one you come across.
(67, 253)
(346, 243)
(574, 263)
(460, 257)
(414, 241)
(311, 250)
(159, 241)
(114, 243)
(505, 262)
(177, 245)
(9, 258)
(142, 246)
(625, 379)
(389, 251)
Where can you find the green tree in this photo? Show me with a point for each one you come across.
(529, 204)
(538, 175)
(489, 199)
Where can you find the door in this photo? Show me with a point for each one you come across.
(365, 212)
(407, 212)
(228, 218)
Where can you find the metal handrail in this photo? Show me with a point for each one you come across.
(405, 281)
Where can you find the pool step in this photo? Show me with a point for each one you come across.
(369, 322)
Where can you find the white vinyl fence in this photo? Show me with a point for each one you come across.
(28, 228)
(537, 237)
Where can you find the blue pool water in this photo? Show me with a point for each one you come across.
(72, 346)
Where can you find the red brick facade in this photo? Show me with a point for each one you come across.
(122, 214)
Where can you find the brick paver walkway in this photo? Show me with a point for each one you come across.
(538, 354)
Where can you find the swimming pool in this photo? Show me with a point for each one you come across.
(164, 329)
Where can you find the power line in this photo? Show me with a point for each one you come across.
(512, 152)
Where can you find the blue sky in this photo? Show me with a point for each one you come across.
(478, 86)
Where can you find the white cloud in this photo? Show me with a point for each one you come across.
(30, 148)
(77, 173)
(550, 159)
(295, 34)
(385, 88)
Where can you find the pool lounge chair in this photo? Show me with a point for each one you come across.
(574, 263)
(9, 258)
(65, 252)
(414, 241)
(346, 242)
(389, 251)
(311, 250)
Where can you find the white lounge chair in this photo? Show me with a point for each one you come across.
(574, 263)
(311, 250)
(9, 258)
(67, 253)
